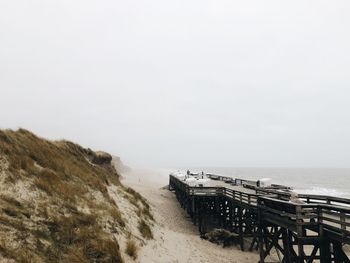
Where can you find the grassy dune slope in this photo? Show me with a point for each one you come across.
(60, 202)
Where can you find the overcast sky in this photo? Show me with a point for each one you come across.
(193, 82)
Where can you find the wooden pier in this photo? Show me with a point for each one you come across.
(317, 229)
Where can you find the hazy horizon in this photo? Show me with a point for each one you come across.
(185, 83)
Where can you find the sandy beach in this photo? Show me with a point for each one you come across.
(176, 239)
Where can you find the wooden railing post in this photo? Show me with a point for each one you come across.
(342, 221)
(300, 232)
(320, 221)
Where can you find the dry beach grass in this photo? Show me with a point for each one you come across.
(60, 202)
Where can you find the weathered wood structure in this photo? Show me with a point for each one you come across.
(316, 229)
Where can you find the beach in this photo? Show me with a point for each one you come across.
(176, 239)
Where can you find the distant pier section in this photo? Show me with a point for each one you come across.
(272, 219)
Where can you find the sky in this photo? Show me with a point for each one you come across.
(182, 83)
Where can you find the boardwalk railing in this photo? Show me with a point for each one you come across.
(271, 220)
(238, 196)
(287, 214)
(332, 213)
(236, 181)
(333, 219)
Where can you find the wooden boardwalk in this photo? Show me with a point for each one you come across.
(315, 230)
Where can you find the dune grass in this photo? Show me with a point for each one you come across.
(140, 203)
(131, 248)
(145, 229)
(65, 175)
(72, 217)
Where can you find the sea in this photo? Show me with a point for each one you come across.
(320, 181)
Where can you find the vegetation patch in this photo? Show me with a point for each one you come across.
(117, 215)
(142, 206)
(131, 248)
(81, 233)
(11, 201)
(10, 212)
(145, 229)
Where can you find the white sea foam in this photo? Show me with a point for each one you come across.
(323, 191)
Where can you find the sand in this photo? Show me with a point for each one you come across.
(176, 239)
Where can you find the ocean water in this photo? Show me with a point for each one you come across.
(323, 181)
